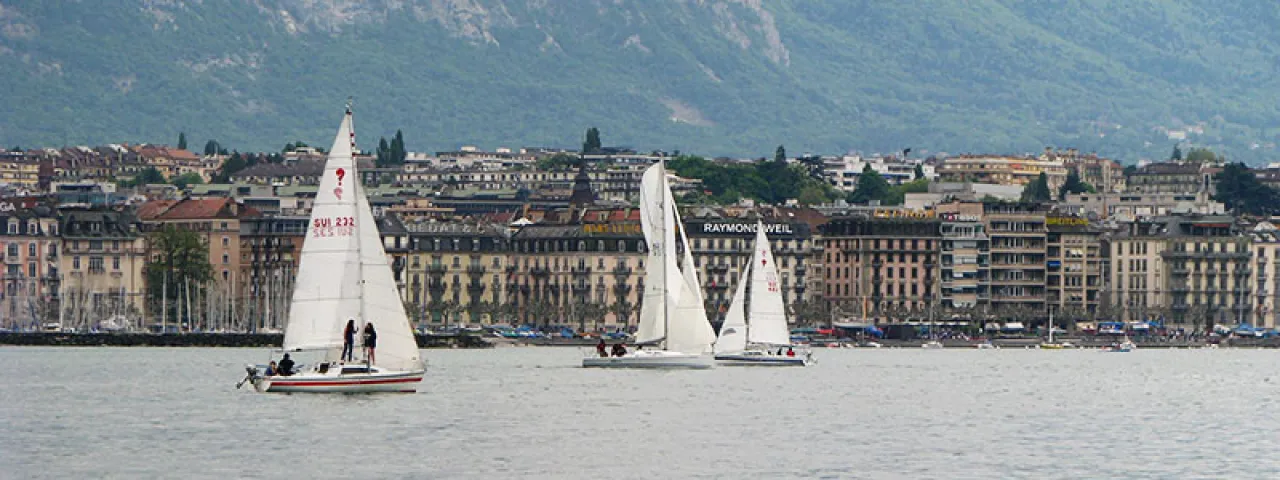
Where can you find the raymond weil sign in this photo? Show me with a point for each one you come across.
(730, 228)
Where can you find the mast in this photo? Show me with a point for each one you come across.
(359, 192)
(1050, 323)
(666, 315)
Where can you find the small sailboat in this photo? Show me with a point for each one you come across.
(1050, 344)
(344, 275)
(764, 340)
(672, 316)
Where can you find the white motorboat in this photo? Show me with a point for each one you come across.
(932, 344)
(344, 275)
(672, 316)
(755, 327)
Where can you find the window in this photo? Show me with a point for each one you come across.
(75, 262)
(33, 227)
(31, 249)
(13, 227)
(12, 250)
(225, 241)
(95, 264)
(95, 245)
(226, 259)
(31, 270)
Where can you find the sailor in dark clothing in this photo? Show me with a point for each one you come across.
(370, 342)
(619, 350)
(348, 340)
(285, 366)
(600, 348)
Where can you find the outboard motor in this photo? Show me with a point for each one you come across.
(251, 375)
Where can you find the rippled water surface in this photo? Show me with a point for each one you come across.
(532, 413)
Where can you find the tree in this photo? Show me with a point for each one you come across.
(1240, 190)
(1037, 191)
(180, 259)
(559, 161)
(398, 152)
(212, 147)
(919, 173)
(1203, 155)
(1176, 156)
(592, 144)
(780, 155)
(812, 195)
(230, 166)
(187, 179)
(1072, 185)
(147, 176)
(871, 186)
(182, 140)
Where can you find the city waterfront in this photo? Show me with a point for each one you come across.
(531, 413)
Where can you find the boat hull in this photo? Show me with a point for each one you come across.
(656, 359)
(379, 382)
(761, 360)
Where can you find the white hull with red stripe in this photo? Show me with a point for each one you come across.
(373, 380)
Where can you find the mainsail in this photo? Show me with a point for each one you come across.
(766, 313)
(327, 288)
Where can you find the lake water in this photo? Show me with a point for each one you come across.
(532, 413)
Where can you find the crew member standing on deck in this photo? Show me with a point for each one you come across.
(348, 340)
(370, 342)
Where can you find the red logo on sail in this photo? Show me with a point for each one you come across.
(337, 191)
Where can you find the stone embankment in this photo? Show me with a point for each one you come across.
(199, 340)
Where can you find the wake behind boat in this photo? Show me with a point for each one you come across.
(672, 317)
(344, 276)
(755, 327)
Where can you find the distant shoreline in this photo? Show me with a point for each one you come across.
(273, 340)
(231, 340)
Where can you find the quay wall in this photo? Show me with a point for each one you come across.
(241, 340)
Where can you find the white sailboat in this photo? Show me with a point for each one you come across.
(344, 274)
(765, 340)
(672, 316)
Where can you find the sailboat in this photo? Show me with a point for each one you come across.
(763, 340)
(672, 316)
(344, 275)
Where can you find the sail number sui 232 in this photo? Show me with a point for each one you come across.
(333, 227)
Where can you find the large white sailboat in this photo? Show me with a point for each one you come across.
(344, 275)
(672, 317)
(755, 327)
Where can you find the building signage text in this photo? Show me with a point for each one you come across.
(769, 228)
(623, 228)
(1068, 221)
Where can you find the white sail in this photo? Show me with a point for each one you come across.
(733, 333)
(766, 313)
(327, 288)
(653, 307)
(397, 348)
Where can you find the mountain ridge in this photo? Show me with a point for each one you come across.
(733, 77)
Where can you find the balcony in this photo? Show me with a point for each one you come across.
(718, 268)
(1243, 271)
(437, 268)
(540, 271)
(476, 269)
(581, 270)
(581, 288)
(621, 271)
(1177, 254)
(717, 286)
(621, 289)
(435, 286)
(1227, 255)
(12, 259)
(510, 268)
(475, 287)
